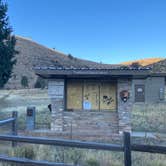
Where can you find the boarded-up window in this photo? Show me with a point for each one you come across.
(91, 95)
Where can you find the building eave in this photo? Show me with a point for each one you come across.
(51, 73)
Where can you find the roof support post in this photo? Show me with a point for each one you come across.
(124, 104)
(56, 93)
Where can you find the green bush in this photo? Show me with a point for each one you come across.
(92, 162)
(24, 81)
(40, 83)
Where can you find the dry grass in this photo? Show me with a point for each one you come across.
(145, 118)
(19, 100)
(144, 62)
(84, 157)
(150, 118)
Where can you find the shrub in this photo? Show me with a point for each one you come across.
(135, 65)
(92, 162)
(70, 56)
(60, 154)
(27, 151)
(24, 151)
(24, 81)
(40, 83)
(73, 155)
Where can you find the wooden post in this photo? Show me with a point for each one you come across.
(14, 126)
(127, 149)
(30, 118)
(71, 130)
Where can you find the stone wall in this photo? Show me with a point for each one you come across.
(124, 108)
(91, 122)
(103, 122)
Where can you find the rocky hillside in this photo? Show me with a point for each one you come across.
(32, 54)
(159, 67)
(144, 62)
(29, 54)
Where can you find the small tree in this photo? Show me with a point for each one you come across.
(40, 83)
(24, 81)
(7, 46)
(136, 65)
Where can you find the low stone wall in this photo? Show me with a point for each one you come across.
(109, 138)
(88, 122)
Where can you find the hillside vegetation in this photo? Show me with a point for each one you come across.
(143, 62)
(29, 55)
(32, 54)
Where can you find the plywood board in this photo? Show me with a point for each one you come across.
(107, 96)
(74, 95)
(91, 95)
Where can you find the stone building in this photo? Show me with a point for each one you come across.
(97, 98)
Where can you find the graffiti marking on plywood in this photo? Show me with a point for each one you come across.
(108, 100)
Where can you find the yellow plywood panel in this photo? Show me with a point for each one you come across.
(91, 95)
(107, 96)
(74, 95)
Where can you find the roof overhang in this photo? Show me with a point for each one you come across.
(91, 73)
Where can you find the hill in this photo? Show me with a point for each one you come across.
(29, 54)
(159, 67)
(32, 54)
(144, 62)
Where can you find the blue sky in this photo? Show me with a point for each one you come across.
(110, 31)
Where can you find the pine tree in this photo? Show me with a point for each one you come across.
(7, 46)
